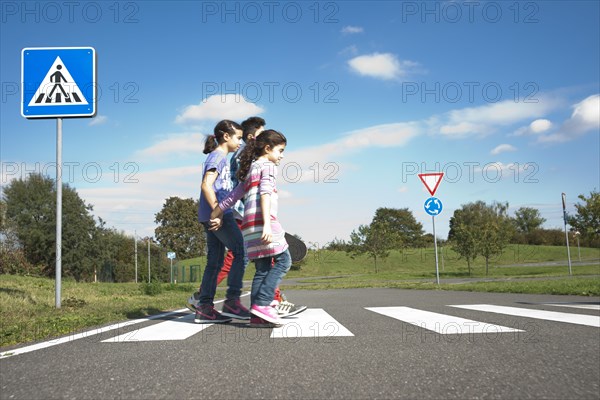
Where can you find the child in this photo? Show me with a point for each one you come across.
(252, 128)
(216, 185)
(263, 235)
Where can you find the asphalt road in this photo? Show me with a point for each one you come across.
(385, 357)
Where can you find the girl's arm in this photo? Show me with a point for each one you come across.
(228, 202)
(207, 187)
(265, 205)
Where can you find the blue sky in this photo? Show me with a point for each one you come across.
(501, 96)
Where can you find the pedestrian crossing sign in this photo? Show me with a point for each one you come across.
(58, 82)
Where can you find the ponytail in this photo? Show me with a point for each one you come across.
(210, 144)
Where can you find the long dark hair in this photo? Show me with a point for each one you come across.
(223, 127)
(256, 148)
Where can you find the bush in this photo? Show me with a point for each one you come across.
(152, 288)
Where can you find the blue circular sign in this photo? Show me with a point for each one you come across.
(433, 206)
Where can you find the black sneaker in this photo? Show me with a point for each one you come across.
(206, 314)
(235, 309)
(286, 309)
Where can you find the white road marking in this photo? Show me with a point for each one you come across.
(312, 323)
(579, 319)
(177, 329)
(440, 323)
(575, 305)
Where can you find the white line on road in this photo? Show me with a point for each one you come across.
(439, 323)
(312, 323)
(91, 332)
(579, 319)
(575, 305)
(177, 329)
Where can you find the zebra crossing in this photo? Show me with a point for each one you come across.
(317, 322)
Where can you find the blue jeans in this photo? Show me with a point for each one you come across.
(228, 235)
(267, 277)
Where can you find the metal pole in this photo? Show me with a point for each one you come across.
(437, 270)
(171, 270)
(564, 203)
(148, 260)
(135, 245)
(58, 212)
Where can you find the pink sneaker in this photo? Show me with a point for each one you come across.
(267, 313)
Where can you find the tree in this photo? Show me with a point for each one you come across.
(179, 229)
(528, 219)
(403, 224)
(31, 214)
(587, 219)
(480, 229)
(376, 240)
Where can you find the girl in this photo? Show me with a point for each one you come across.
(216, 185)
(263, 235)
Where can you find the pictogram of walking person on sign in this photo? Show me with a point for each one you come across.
(56, 78)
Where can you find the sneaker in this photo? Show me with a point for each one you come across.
(267, 313)
(286, 309)
(257, 322)
(193, 301)
(208, 315)
(233, 308)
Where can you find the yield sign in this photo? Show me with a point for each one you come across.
(431, 181)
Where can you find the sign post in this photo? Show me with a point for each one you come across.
(433, 206)
(58, 82)
(171, 256)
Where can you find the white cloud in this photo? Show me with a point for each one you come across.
(484, 120)
(502, 148)
(535, 128)
(463, 129)
(388, 135)
(98, 120)
(381, 65)
(218, 107)
(175, 145)
(348, 30)
(585, 118)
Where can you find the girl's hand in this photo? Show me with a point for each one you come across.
(214, 224)
(267, 236)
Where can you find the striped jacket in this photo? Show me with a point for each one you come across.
(261, 180)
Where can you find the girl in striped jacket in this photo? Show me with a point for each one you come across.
(264, 236)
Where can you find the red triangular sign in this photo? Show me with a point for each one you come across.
(431, 181)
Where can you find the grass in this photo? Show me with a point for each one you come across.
(28, 313)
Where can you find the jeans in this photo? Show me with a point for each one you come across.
(228, 235)
(267, 277)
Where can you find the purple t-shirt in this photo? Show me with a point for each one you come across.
(223, 185)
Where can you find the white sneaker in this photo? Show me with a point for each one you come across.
(286, 309)
(193, 301)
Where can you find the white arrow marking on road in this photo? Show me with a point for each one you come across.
(440, 323)
(579, 319)
(314, 322)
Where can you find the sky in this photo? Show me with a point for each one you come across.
(503, 97)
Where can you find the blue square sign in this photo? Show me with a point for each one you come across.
(58, 82)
